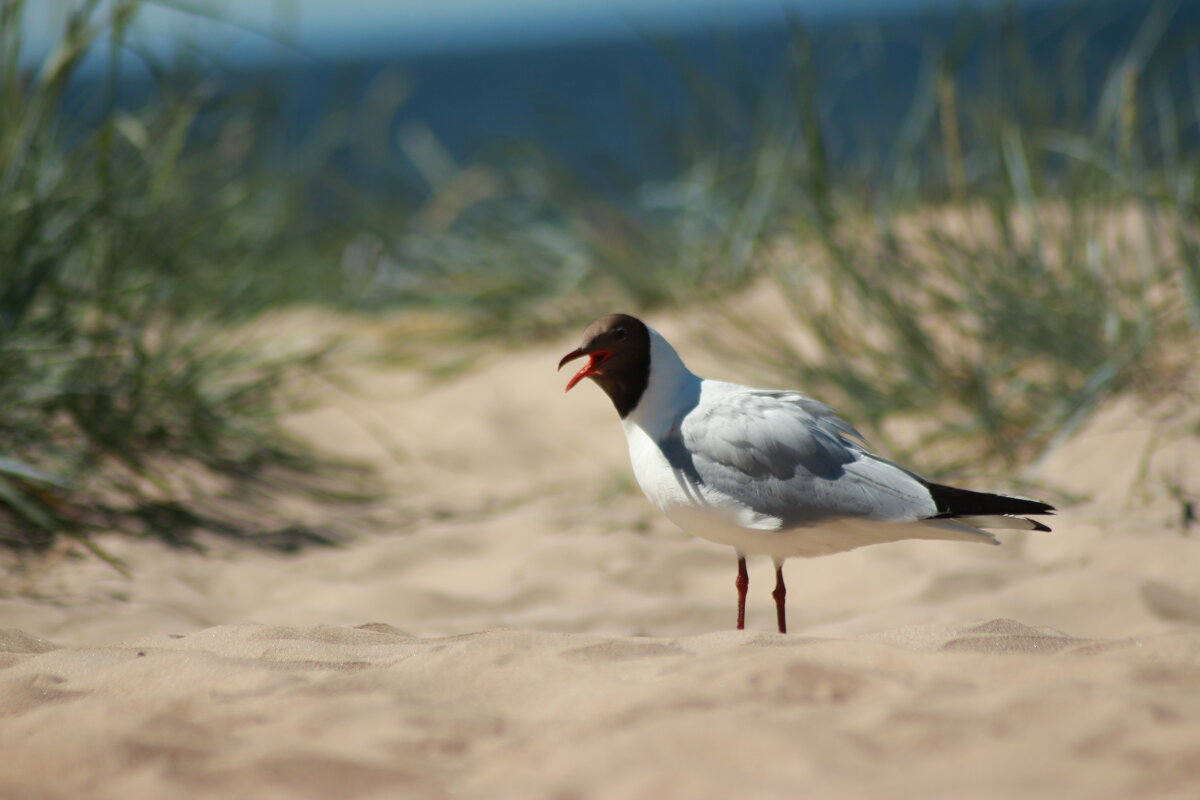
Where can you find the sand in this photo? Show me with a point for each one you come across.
(520, 624)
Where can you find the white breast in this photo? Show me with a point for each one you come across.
(696, 509)
(673, 391)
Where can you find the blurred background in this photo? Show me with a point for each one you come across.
(976, 214)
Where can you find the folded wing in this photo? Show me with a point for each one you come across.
(791, 462)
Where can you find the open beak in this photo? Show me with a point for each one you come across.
(595, 359)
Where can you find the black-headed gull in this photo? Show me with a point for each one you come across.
(768, 472)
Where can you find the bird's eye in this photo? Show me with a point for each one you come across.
(619, 333)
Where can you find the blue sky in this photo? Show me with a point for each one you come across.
(340, 26)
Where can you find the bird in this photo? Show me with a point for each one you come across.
(768, 472)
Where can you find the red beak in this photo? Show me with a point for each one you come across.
(595, 359)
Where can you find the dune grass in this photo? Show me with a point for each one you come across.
(113, 380)
(1021, 245)
(1026, 254)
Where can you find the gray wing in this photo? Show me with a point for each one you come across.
(791, 461)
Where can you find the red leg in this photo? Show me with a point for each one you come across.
(780, 595)
(742, 583)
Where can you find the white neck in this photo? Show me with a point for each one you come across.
(671, 390)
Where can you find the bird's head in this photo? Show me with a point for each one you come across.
(617, 347)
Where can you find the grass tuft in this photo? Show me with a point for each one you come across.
(113, 377)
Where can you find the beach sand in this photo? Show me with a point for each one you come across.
(519, 623)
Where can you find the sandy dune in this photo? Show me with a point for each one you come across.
(994, 709)
(523, 625)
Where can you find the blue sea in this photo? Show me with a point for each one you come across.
(617, 111)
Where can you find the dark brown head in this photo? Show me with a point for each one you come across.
(618, 351)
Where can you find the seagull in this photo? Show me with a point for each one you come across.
(768, 472)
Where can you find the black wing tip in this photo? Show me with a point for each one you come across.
(954, 502)
(1037, 526)
(1042, 508)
